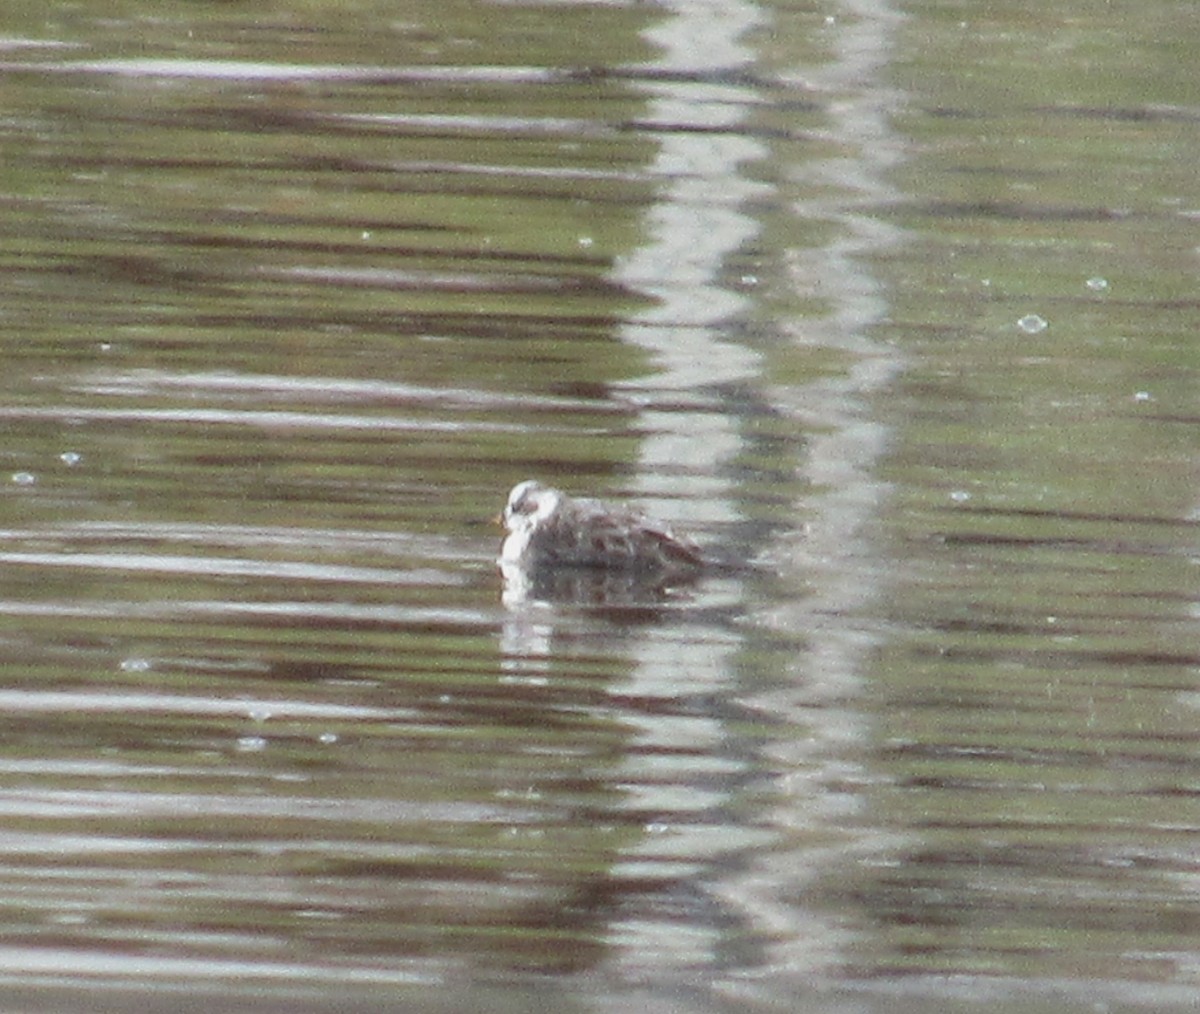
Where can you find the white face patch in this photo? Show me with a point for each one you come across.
(529, 505)
(521, 501)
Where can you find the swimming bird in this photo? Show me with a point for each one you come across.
(547, 528)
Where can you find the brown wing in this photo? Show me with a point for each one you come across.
(676, 550)
(620, 537)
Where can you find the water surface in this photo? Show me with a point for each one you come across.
(896, 306)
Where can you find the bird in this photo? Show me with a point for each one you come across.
(549, 529)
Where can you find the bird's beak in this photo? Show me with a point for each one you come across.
(499, 519)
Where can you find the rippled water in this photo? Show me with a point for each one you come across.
(291, 298)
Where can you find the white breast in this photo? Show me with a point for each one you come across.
(516, 545)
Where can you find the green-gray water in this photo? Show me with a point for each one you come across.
(898, 303)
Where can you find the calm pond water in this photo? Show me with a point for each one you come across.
(899, 305)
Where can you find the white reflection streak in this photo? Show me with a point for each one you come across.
(228, 567)
(264, 419)
(106, 965)
(14, 702)
(697, 223)
(844, 566)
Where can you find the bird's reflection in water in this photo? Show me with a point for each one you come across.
(595, 587)
(543, 604)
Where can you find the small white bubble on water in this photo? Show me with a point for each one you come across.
(135, 665)
(328, 738)
(259, 713)
(960, 496)
(366, 234)
(251, 744)
(70, 457)
(24, 478)
(586, 241)
(1143, 396)
(1097, 284)
(1031, 323)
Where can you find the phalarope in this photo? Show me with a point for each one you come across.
(547, 528)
